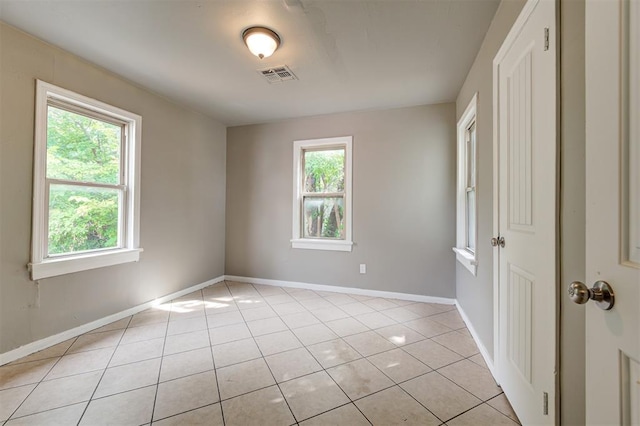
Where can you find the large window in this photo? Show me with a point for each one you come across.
(466, 198)
(322, 194)
(86, 184)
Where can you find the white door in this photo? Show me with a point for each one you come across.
(613, 209)
(525, 110)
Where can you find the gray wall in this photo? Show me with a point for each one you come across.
(475, 294)
(403, 201)
(182, 197)
(572, 136)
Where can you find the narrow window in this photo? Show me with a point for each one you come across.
(322, 186)
(86, 186)
(466, 234)
(470, 205)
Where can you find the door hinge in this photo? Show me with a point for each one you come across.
(545, 403)
(546, 39)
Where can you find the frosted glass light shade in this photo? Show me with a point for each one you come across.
(262, 42)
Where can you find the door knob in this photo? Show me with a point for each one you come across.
(601, 293)
(495, 242)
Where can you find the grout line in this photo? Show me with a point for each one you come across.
(213, 359)
(118, 393)
(340, 406)
(64, 377)
(318, 362)
(465, 411)
(114, 347)
(505, 414)
(46, 411)
(415, 399)
(102, 375)
(164, 344)
(397, 347)
(295, 419)
(365, 358)
(39, 381)
(395, 384)
(184, 412)
(465, 390)
(193, 374)
(306, 348)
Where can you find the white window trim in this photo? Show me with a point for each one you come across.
(41, 266)
(297, 241)
(466, 257)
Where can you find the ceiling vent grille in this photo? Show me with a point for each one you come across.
(277, 74)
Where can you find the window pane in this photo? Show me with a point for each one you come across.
(324, 170)
(323, 217)
(83, 149)
(82, 218)
(471, 155)
(471, 220)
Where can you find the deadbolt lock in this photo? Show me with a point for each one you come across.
(601, 293)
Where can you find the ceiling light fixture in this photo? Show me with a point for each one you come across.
(261, 41)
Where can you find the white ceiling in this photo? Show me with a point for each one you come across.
(348, 55)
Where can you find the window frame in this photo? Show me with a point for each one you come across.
(464, 254)
(298, 240)
(42, 264)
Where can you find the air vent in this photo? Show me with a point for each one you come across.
(277, 74)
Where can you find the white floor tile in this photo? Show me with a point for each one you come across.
(281, 356)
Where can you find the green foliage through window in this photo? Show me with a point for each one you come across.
(323, 201)
(82, 219)
(84, 151)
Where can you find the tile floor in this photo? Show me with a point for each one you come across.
(242, 354)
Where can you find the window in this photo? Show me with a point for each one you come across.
(467, 201)
(322, 194)
(86, 184)
(470, 188)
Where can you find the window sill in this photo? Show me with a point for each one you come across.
(333, 245)
(67, 265)
(467, 259)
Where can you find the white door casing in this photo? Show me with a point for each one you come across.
(612, 42)
(525, 186)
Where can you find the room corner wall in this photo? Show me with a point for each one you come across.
(403, 201)
(182, 219)
(475, 294)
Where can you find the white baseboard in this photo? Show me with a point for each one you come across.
(483, 350)
(41, 344)
(337, 289)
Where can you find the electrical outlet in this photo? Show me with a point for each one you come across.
(363, 268)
